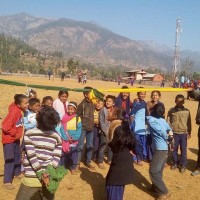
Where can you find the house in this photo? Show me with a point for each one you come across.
(138, 74)
(153, 77)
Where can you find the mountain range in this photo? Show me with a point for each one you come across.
(90, 42)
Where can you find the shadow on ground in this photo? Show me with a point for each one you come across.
(96, 181)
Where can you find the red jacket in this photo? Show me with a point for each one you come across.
(12, 125)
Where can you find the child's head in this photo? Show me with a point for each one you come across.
(34, 105)
(141, 95)
(125, 95)
(47, 101)
(110, 101)
(31, 93)
(158, 110)
(118, 113)
(155, 95)
(122, 137)
(179, 100)
(47, 119)
(63, 95)
(87, 93)
(99, 104)
(21, 101)
(71, 108)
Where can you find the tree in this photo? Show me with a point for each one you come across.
(186, 69)
(71, 65)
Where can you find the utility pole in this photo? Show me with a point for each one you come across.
(176, 67)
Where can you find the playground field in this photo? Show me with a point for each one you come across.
(91, 184)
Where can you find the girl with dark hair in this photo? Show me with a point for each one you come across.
(12, 131)
(61, 103)
(121, 171)
(123, 100)
(43, 149)
(159, 130)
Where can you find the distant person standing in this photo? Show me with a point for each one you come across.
(49, 73)
(84, 79)
(62, 76)
(119, 79)
(132, 80)
(162, 83)
(182, 81)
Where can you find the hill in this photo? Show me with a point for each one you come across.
(86, 41)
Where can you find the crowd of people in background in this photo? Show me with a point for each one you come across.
(38, 135)
(184, 82)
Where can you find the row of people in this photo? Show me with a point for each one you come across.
(95, 124)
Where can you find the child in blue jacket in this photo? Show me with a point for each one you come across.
(159, 130)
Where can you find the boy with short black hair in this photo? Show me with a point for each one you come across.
(30, 114)
(104, 126)
(180, 121)
(85, 111)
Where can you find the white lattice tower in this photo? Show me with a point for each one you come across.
(176, 67)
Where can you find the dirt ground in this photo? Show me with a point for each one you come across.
(91, 184)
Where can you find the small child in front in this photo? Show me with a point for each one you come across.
(43, 148)
(72, 126)
(121, 171)
(180, 121)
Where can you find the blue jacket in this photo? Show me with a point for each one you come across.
(29, 120)
(158, 129)
(139, 113)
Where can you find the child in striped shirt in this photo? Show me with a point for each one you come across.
(43, 148)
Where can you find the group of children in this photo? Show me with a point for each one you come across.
(54, 132)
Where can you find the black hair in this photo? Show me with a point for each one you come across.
(122, 138)
(158, 111)
(110, 97)
(87, 88)
(33, 101)
(156, 91)
(61, 92)
(19, 98)
(120, 113)
(47, 119)
(124, 87)
(179, 96)
(140, 91)
(45, 99)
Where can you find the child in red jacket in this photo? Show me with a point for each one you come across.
(12, 130)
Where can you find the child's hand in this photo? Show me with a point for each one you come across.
(45, 179)
(189, 135)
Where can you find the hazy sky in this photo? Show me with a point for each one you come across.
(135, 19)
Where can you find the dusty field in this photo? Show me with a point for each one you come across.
(90, 184)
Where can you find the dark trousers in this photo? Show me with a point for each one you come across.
(33, 193)
(69, 159)
(180, 139)
(102, 148)
(142, 140)
(149, 147)
(96, 143)
(115, 192)
(12, 157)
(198, 159)
(156, 172)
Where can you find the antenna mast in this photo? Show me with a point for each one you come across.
(176, 67)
